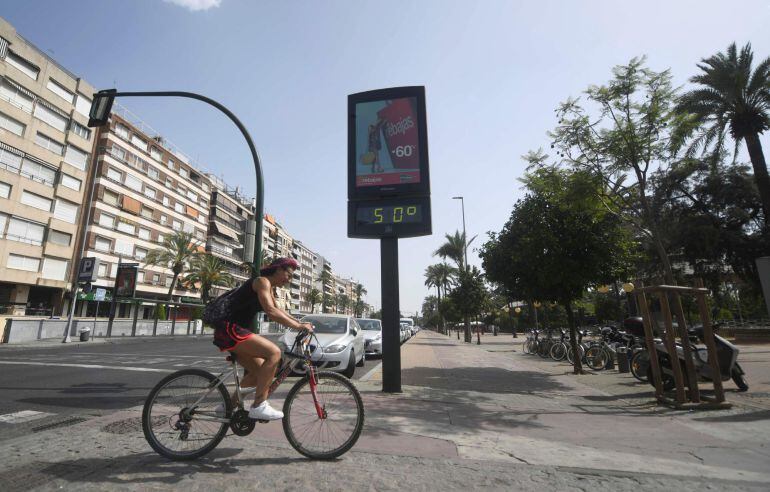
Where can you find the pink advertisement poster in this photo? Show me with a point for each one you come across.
(387, 143)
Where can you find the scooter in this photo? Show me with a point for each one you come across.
(727, 357)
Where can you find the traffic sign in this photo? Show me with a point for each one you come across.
(87, 269)
(100, 294)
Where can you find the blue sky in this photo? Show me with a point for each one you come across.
(493, 71)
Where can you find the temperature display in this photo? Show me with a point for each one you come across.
(392, 214)
(392, 217)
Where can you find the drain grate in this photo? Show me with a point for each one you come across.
(61, 423)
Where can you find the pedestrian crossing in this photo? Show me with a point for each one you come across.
(23, 416)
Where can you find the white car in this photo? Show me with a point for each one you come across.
(405, 333)
(372, 329)
(341, 342)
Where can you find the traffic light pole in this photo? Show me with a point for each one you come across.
(391, 314)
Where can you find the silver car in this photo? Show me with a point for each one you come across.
(341, 342)
(372, 329)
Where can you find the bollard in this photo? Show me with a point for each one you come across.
(623, 363)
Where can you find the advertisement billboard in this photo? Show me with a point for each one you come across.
(125, 280)
(387, 143)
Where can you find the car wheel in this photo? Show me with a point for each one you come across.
(351, 369)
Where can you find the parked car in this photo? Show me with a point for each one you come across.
(341, 342)
(372, 330)
(405, 332)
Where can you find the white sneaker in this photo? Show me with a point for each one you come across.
(220, 410)
(264, 411)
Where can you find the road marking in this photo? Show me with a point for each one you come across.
(23, 416)
(371, 372)
(86, 366)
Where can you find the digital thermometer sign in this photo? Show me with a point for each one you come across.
(395, 217)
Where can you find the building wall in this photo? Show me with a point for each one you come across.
(44, 159)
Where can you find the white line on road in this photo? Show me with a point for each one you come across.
(23, 416)
(86, 366)
(370, 373)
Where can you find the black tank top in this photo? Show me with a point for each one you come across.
(244, 304)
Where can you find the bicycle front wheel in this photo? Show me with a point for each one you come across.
(182, 416)
(343, 416)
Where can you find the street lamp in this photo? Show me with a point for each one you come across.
(465, 236)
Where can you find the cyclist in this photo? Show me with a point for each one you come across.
(234, 310)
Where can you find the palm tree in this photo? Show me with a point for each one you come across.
(344, 302)
(176, 253)
(313, 297)
(325, 278)
(208, 270)
(360, 292)
(734, 98)
(454, 248)
(248, 266)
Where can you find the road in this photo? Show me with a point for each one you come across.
(48, 386)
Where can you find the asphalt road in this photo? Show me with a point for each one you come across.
(46, 385)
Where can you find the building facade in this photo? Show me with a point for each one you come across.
(143, 193)
(45, 156)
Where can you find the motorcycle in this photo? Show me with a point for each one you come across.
(727, 358)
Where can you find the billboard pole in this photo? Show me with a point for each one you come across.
(391, 340)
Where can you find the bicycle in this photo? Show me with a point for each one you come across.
(188, 413)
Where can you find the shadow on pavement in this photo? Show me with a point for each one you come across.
(481, 379)
(746, 417)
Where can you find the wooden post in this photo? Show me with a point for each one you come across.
(649, 339)
(708, 335)
(689, 365)
(671, 347)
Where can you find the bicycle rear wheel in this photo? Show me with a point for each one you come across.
(329, 437)
(173, 427)
(596, 357)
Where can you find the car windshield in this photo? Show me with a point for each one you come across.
(369, 324)
(327, 325)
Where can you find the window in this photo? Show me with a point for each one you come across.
(23, 65)
(70, 182)
(49, 143)
(102, 244)
(170, 164)
(161, 238)
(138, 141)
(60, 238)
(188, 227)
(149, 193)
(65, 211)
(153, 173)
(103, 270)
(121, 131)
(76, 157)
(36, 201)
(127, 228)
(19, 262)
(10, 160)
(144, 233)
(146, 213)
(200, 234)
(110, 197)
(176, 225)
(123, 246)
(192, 195)
(54, 268)
(25, 231)
(183, 172)
(155, 278)
(80, 130)
(83, 105)
(5, 191)
(118, 153)
(181, 189)
(37, 171)
(140, 253)
(21, 98)
(48, 115)
(179, 207)
(106, 220)
(60, 91)
(169, 279)
(166, 201)
(169, 183)
(155, 153)
(114, 174)
(133, 182)
(12, 125)
(163, 220)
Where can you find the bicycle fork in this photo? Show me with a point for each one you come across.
(313, 386)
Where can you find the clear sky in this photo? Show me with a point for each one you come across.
(493, 72)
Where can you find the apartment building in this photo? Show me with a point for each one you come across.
(323, 265)
(143, 192)
(45, 156)
(229, 212)
(303, 276)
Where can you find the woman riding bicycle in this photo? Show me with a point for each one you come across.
(235, 310)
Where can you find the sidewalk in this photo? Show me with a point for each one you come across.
(480, 417)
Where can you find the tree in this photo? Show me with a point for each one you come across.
(343, 303)
(454, 248)
(731, 97)
(439, 276)
(469, 296)
(360, 291)
(559, 240)
(313, 297)
(630, 135)
(326, 279)
(176, 253)
(248, 266)
(207, 270)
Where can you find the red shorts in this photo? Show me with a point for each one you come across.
(228, 335)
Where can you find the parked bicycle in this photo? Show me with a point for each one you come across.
(188, 413)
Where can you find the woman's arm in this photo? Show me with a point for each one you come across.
(261, 286)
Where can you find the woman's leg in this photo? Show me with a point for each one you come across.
(260, 357)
